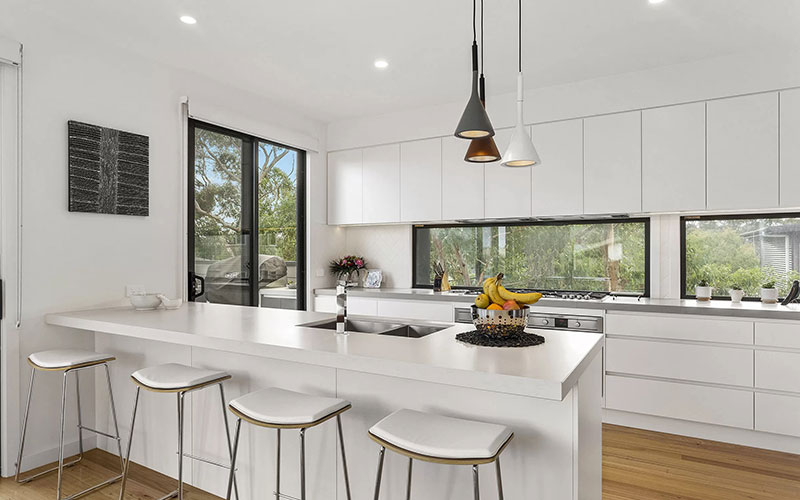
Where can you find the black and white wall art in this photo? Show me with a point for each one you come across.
(108, 170)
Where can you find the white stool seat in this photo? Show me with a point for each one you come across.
(176, 377)
(61, 359)
(440, 437)
(279, 407)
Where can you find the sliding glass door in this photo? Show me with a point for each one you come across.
(246, 219)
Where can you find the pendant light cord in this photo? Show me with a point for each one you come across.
(482, 37)
(474, 29)
(520, 36)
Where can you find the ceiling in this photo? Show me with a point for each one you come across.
(317, 55)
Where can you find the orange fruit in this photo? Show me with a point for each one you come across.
(495, 307)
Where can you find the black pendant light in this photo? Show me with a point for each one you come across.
(483, 150)
(474, 122)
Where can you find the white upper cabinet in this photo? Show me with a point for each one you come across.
(743, 152)
(421, 180)
(381, 184)
(612, 169)
(507, 191)
(462, 182)
(557, 187)
(674, 158)
(344, 187)
(790, 148)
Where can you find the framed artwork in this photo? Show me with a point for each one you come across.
(109, 170)
(373, 279)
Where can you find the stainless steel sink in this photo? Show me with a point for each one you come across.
(379, 327)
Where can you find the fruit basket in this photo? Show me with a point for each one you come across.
(500, 322)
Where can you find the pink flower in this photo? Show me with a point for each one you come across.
(359, 262)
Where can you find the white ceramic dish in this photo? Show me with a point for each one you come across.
(170, 303)
(146, 302)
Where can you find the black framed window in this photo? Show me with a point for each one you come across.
(246, 219)
(740, 250)
(587, 255)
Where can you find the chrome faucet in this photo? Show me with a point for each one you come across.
(341, 308)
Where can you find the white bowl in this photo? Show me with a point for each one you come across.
(145, 302)
(170, 303)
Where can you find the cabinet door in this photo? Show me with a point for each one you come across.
(743, 152)
(462, 182)
(381, 184)
(674, 158)
(344, 187)
(778, 414)
(790, 148)
(507, 189)
(557, 187)
(612, 168)
(421, 180)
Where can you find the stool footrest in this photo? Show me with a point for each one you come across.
(98, 432)
(174, 494)
(48, 471)
(206, 461)
(282, 495)
(94, 488)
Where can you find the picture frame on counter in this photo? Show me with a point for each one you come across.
(373, 279)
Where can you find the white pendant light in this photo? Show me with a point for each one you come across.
(520, 152)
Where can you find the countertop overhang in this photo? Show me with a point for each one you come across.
(547, 371)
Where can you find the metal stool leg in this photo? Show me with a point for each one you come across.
(344, 457)
(302, 464)
(408, 482)
(61, 438)
(278, 467)
(379, 474)
(228, 437)
(24, 426)
(130, 441)
(180, 444)
(235, 451)
(499, 479)
(475, 482)
(80, 420)
(114, 416)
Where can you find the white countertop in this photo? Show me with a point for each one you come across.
(546, 371)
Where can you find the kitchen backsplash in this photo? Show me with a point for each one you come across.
(387, 248)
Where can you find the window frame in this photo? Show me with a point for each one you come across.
(250, 197)
(554, 222)
(685, 218)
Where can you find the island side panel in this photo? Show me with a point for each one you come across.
(537, 465)
(588, 440)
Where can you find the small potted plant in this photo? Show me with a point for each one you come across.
(703, 290)
(737, 293)
(769, 294)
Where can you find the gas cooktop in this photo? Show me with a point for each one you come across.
(556, 294)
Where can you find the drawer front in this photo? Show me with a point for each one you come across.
(699, 363)
(416, 309)
(325, 303)
(362, 306)
(778, 334)
(778, 414)
(778, 371)
(712, 405)
(681, 328)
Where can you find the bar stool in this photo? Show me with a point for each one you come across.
(441, 440)
(69, 361)
(179, 379)
(281, 409)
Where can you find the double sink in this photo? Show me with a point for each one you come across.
(379, 327)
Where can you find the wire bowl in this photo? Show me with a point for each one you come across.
(503, 323)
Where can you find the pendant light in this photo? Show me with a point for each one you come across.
(520, 152)
(474, 122)
(483, 150)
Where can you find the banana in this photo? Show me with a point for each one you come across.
(522, 298)
(490, 285)
(486, 284)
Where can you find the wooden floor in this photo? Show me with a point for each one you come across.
(637, 465)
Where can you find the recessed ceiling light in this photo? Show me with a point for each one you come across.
(656, 1)
(191, 20)
(381, 64)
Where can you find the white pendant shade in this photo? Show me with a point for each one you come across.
(520, 152)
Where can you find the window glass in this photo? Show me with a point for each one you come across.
(741, 251)
(582, 256)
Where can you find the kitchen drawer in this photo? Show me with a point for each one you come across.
(778, 371)
(778, 414)
(692, 362)
(711, 405)
(680, 328)
(325, 303)
(416, 309)
(778, 334)
(362, 306)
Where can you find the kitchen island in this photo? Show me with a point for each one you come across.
(549, 394)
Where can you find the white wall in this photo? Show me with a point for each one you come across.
(74, 260)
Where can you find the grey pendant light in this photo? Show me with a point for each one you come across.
(474, 121)
(520, 152)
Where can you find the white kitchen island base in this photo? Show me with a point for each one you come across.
(555, 453)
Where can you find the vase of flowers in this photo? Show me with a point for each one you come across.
(347, 269)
